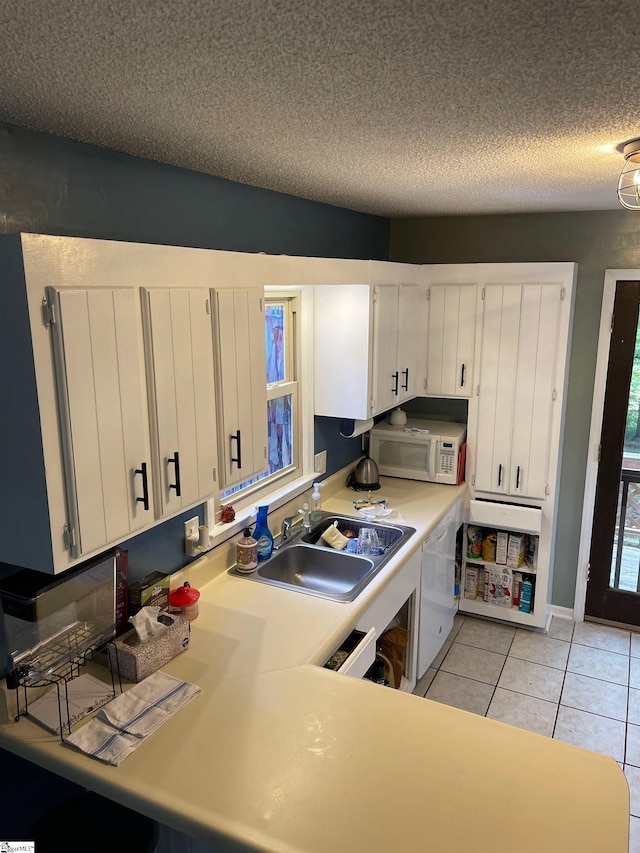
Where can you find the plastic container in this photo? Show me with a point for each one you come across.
(184, 600)
(247, 552)
(262, 535)
(316, 504)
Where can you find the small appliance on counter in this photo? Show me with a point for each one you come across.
(420, 449)
(365, 477)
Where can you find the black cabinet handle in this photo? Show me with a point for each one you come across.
(462, 372)
(394, 390)
(518, 477)
(175, 459)
(238, 439)
(142, 470)
(499, 475)
(405, 386)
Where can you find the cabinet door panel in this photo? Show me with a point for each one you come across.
(385, 327)
(451, 339)
(100, 338)
(497, 377)
(243, 381)
(407, 338)
(182, 372)
(533, 397)
(435, 339)
(466, 341)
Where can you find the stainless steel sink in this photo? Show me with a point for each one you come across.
(305, 565)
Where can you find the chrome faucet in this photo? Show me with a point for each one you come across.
(288, 524)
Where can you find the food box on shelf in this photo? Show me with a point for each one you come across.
(500, 588)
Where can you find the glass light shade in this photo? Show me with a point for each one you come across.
(629, 183)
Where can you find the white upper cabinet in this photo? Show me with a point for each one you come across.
(518, 387)
(242, 373)
(451, 335)
(179, 349)
(367, 341)
(102, 409)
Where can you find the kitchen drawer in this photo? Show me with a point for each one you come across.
(362, 653)
(525, 519)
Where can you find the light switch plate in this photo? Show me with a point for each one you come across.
(320, 462)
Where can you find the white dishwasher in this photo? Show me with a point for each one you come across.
(437, 600)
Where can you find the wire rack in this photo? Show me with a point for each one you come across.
(60, 660)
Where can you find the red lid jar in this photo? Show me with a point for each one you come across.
(184, 599)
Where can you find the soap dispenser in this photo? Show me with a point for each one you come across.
(316, 503)
(263, 535)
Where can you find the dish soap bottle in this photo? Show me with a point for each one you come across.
(316, 512)
(247, 552)
(262, 535)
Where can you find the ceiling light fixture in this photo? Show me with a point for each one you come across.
(629, 183)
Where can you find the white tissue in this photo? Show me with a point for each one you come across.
(145, 621)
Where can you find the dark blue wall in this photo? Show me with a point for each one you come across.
(57, 186)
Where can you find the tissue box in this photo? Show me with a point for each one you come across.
(138, 660)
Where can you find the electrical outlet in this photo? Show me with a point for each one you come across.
(191, 536)
(320, 462)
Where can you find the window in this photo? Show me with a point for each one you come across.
(283, 418)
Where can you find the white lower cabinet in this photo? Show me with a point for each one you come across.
(505, 559)
(179, 348)
(437, 587)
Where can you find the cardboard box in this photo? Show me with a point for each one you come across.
(150, 591)
(500, 589)
(471, 583)
(502, 540)
(138, 660)
(515, 550)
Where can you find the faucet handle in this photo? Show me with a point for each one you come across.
(304, 512)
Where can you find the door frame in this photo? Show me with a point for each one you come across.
(611, 278)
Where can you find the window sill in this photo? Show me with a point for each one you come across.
(246, 516)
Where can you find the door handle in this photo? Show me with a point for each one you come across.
(394, 390)
(238, 439)
(462, 372)
(405, 386)
(142, 470)
(499, 475)
(518, 477)
(175, 460)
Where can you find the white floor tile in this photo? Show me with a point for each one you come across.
(600, 734)
(602, 637)
(633, 714)
(539, 648)
(635, 644)
(486, 635)
(632, 753)
(561, 629)
(460, 692)
(471, 662)
(425, 682)
(595, 696)
(634, 672)
(532, 679)
(634, 835)
(633, 779)
(435, 663)
(598, 663)
(525, 712)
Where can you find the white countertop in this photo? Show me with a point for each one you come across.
(280, 755)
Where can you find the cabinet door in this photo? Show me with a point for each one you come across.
(180, 370)
(408, 330)
(500, 327)
(242, 367)
(97, 345)
(451, 340)
(386, 374)
(534, 389)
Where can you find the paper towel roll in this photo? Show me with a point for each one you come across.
(350, 428)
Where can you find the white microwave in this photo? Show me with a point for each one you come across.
(419, 450)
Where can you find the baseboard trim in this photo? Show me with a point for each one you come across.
(560, 612)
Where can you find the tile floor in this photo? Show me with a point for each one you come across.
(579, 683)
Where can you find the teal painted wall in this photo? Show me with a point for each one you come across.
(596, 241)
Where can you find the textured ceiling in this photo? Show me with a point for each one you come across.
(394, 107)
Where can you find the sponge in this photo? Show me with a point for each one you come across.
(334, 538)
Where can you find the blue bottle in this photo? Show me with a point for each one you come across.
(262, 535)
